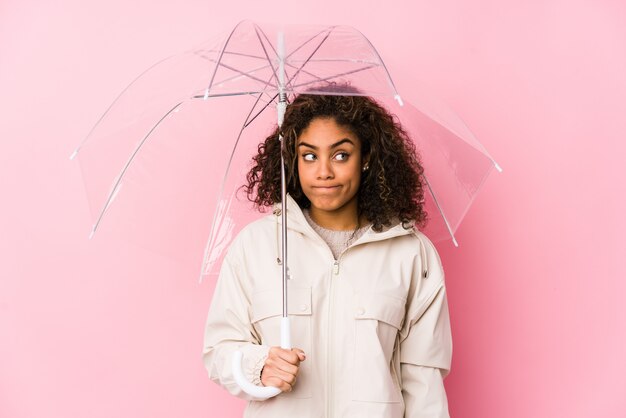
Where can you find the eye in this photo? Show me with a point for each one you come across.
(341, 156)
(309, 156)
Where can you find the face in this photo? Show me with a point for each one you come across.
(329, 166)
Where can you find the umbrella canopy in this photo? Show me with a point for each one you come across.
(173, 149)
(191, 123)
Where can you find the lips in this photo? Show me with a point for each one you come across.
(326, 188)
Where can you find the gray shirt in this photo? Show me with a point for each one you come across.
(337, 241)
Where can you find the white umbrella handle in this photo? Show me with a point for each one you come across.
(261, 392)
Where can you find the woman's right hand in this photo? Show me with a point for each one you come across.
(281, 368)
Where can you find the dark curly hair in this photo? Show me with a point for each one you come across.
(391, 190)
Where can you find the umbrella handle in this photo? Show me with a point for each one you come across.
(261, 392)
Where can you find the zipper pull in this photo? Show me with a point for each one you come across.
(336, 267)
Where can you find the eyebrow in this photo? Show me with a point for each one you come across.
(335, 145)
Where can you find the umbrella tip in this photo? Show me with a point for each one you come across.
(456, 244)
(399, 99)
(497, 167)
(74, 154)
(93, 231)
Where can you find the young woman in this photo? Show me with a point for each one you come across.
(367, 301)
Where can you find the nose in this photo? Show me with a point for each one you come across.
(324, 170)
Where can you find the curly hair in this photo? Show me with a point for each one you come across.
(390, 190)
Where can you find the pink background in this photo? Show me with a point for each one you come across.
(102, 329)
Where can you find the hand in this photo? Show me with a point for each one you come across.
(281, 368)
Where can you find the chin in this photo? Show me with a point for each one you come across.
(327, 206)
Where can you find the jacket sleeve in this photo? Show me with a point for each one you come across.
(426, 344)
(228, 329)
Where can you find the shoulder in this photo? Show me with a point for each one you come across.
(412, 240)
(431, 256)
(258, 226)
(426, 242)
(254, 233)
(429, 259)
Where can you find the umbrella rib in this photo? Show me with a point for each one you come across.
(258, 29)
(304, 71)
(372, 64)
(269, 61)
(115, 101)
(268, 94)
(343, 60)
(259, 112)
(243, 73)
(391, 83)
(240, 73)
(482, 149)
(456, 244)
(219, 60)
(247, 93)
(240, 54)
(128, 163)
(247, 121)
(299, 69)
(235, 76)
(298, 48)
(311, 55)
(335, 76)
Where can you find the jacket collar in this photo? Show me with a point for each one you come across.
(297, 222)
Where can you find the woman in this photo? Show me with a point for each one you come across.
(367, 300)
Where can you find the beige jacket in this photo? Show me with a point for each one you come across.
(374, 324)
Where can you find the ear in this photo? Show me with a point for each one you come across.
(365, 165)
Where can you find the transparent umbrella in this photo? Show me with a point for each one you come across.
(168, 158)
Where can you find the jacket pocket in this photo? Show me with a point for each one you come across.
(377, 320)
(266, 313)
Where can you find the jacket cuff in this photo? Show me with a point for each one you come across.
(254, 357)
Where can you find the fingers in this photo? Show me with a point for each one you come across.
(282, 365)
(278, 383)
(290, 356)
(300, 354)
(281, 368)
(277, 378)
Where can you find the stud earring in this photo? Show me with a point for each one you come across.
(365, 167)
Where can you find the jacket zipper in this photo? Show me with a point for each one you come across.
(329, 351)
(331, 332)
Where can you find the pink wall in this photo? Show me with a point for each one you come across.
(103, 329)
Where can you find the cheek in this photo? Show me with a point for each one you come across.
(356, 183)
(354, 174)
(303, 175)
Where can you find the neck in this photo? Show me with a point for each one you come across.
(342, 219)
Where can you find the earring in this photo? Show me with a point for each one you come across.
(365, 167)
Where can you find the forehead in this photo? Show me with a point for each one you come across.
(325, 132)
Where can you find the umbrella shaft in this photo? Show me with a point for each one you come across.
(283, 188)
(281, 108)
